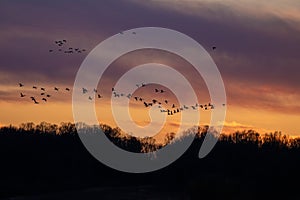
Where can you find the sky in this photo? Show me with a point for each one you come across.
(258, 46)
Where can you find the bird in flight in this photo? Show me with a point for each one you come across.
(21, 85)
(214, 47)
(44, 99)
(22, 95)
(55, 88)
(34, 87)
(146, 105)
(33, 99)
(68, 89)
(43, 89)
(84, 90)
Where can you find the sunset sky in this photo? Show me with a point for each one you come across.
(258, 51)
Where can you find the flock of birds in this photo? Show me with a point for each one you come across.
(67, 50)
(70, 50)
(165, 105)
(171, 108)
(43, 96)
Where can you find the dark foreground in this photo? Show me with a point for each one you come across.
(36, 165)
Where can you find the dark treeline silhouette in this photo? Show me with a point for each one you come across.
(48, 158)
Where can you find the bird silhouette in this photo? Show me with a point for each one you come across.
(34, 87)
(51, 50)
(90, 98)
(22, 95)
(55, 88)
(44, 99)
(35, 101)
(173, 106)
(99, 96)
(48, 95)
(84, 90)
(43, 93)
(68, 89)
(43, 89)
(21, 85)
(156, 90)
(166, 101)
(214, 47)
